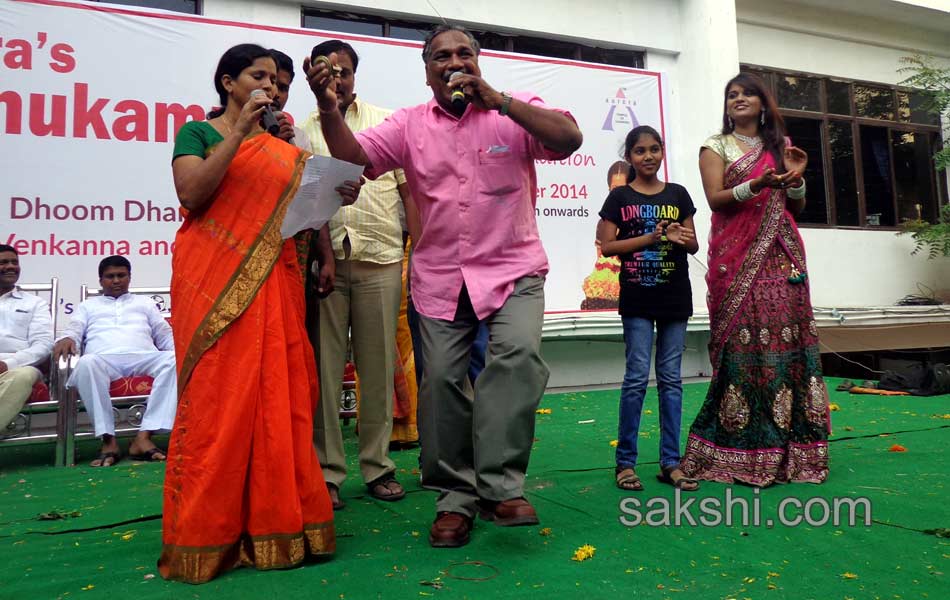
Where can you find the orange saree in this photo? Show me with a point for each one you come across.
(405, 395)
(243, 485)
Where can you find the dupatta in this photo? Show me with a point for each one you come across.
(739, 242)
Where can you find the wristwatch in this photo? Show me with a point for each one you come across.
(505, 104)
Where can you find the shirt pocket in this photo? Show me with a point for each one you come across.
(19, 321)
(499, 173)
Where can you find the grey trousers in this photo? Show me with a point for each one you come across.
(479, 447)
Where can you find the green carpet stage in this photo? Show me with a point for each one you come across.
(107, 544)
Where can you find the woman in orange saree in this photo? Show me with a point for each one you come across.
(243, 485)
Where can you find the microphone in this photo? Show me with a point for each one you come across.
(458, 96)
(268, 120)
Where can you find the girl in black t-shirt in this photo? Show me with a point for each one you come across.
(649, 224)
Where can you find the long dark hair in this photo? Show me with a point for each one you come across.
(773, 130)
(232, 62)
(632, 138)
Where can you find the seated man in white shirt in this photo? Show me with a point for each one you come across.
(26, 338)
(121, 335)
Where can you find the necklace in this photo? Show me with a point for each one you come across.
(227, 124)
(752, 141)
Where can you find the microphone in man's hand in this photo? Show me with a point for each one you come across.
(268, 120)
(458, 96)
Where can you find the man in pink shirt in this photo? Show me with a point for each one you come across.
(468, 155)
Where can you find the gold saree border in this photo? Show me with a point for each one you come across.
(200, 564)
(797, 462)
(244, 284)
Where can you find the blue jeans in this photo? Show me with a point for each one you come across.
(479, 350)
(670, 341)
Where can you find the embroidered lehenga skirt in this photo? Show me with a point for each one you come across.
(765, 418)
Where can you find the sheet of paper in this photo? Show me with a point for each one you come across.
(317, 199)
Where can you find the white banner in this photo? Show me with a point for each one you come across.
(93, 94)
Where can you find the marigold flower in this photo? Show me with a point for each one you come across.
(584, 552)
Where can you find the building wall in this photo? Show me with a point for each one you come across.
(617, 21)
(849, 268)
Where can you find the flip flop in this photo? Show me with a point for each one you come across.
(385, 482)
(335, 499)
(628, 480)
(115, 456)
(666, 476)
(149, 455)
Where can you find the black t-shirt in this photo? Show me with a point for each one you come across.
(654, 282)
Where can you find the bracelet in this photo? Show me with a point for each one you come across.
(743, 191)
(505, 104)
(796, 193)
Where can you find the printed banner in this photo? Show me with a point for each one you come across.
(91, 96)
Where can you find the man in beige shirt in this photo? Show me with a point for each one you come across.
(368, 246)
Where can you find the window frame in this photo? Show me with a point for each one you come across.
(580, 51)
(939, 192)
(199, 7)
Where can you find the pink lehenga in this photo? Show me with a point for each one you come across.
(765, 418)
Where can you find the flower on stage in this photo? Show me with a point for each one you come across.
(613, 443)
(847, 575)
(543, 411)
(897, 448)
(833, 407)
(584, 552)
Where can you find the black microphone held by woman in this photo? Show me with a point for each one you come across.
(268, 120)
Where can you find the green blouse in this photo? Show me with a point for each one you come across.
(196, 138)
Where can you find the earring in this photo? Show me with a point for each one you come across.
(731, 124)
(762, 117)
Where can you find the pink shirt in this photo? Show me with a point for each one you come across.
(474, 182)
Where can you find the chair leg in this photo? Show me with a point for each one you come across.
(72, 414)
(59, 459)
(65, 418)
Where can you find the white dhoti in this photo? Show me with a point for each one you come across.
(16, 385)
(95, 372)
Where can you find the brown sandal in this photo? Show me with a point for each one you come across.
(335, 500)
(628, 480)
(683, 483)
(386, 488)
